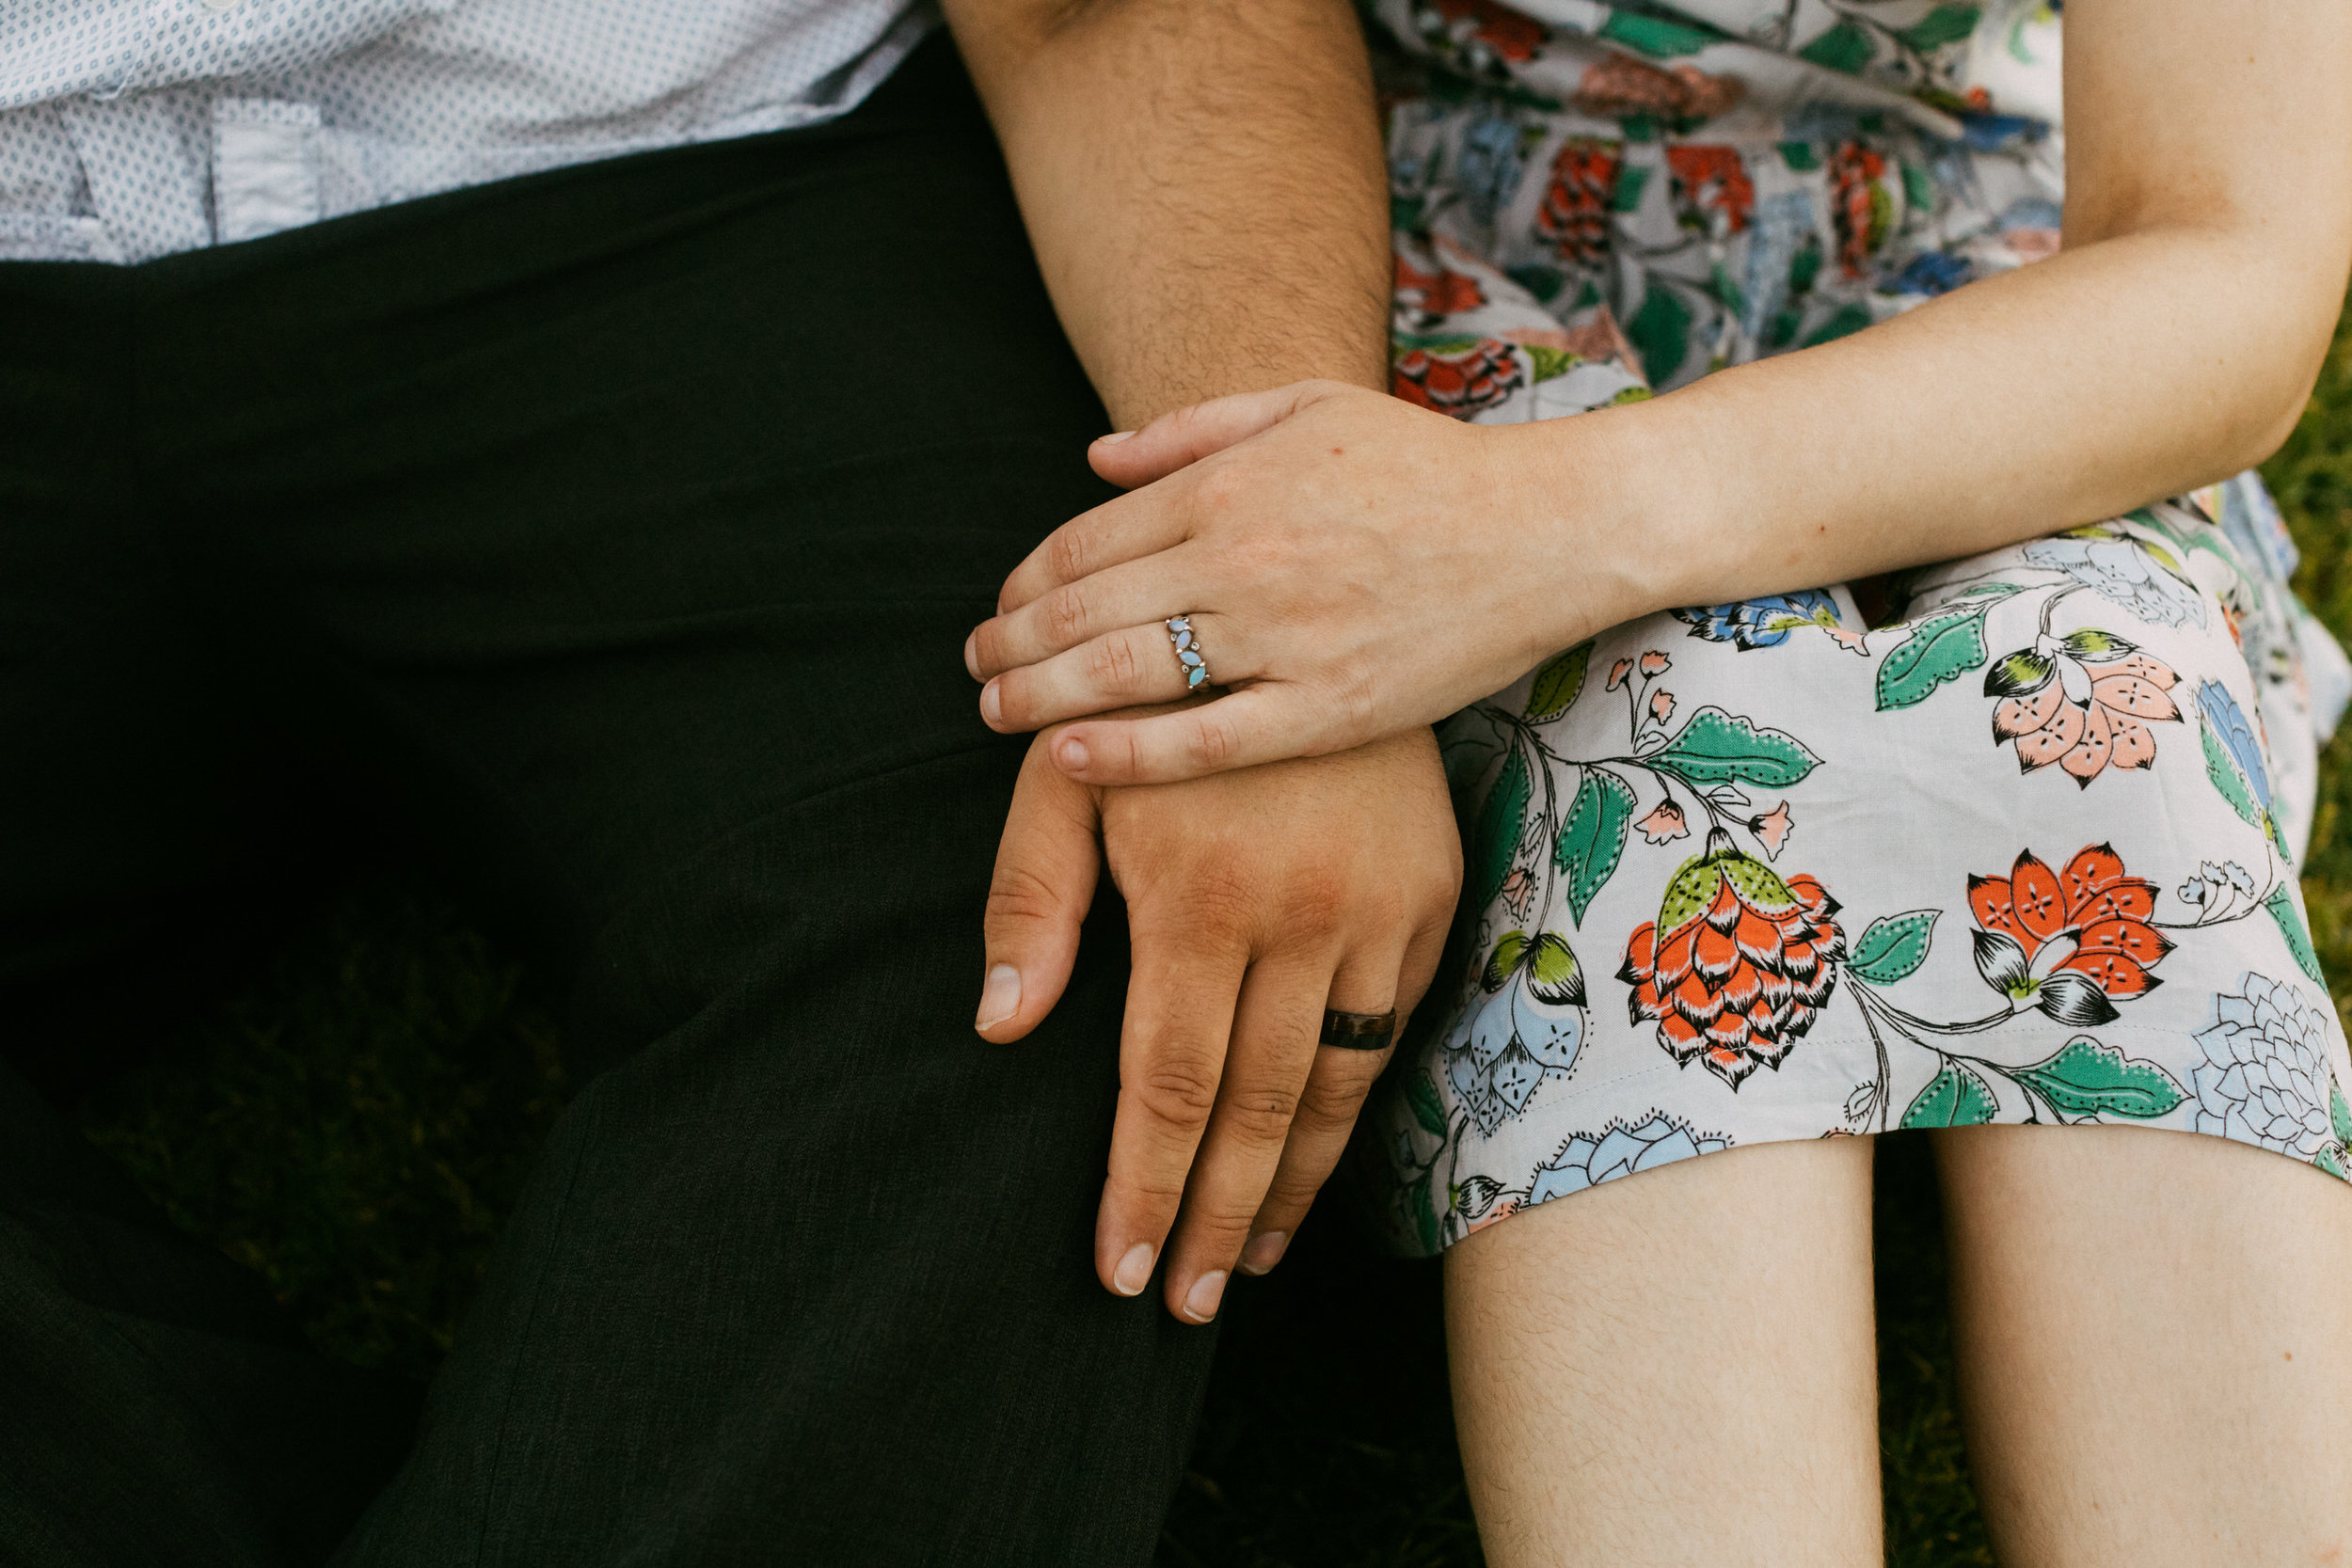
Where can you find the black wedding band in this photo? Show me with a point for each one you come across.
(1358, 1031)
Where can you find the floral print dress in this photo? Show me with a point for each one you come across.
(2012, 841)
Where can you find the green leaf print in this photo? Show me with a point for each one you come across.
(1632, 180)
(1728, 294)
(2226, 778)
(2094, 644)
(1893, 947)
(1849, 319)
(1559, 681)
(1944, 25)
(1501, 822)
(1425, 1218)
(2282, 907)
(1918, 190)
(1716, 746)
(1502, 960)
(1805, 266)
(2339, 1115)
(1593, 837)
(2015, 674)
(2091, 1077)
(2326, 1159)
(1941, 648)
(1553, 973)
(1434, 342)
(1420, 1093)
(1548, 363)
(1654, 36)
(1800, 156)
(1955, 1096)
(1661, 330)
(1845, 47)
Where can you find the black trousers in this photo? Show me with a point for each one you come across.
(626, 522)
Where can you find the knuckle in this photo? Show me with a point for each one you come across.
(1065, 554)
(1315, 902)
(1259, 555)
(1261, 1115)
(1332, 1098)
(1219, 904)
(1113, 665)
(1017, 893)
(1181, 1094)
(1212, 745)
(1219, 489)
(1160, 1189)
(1065, 612)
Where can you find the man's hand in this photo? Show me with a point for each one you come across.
(1255, 899)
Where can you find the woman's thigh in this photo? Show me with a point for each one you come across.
(2156, 1347)
(1676, 1369)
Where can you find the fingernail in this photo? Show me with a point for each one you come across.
(1207, 1291)
(972, 654)
(1264, 1252)
(1001, 997)
(1134, 1272)
(1071, 752)
(1114, 435)
(991, 708)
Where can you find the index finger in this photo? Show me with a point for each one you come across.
(1143, 523)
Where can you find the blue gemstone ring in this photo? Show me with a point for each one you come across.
(1188, 652)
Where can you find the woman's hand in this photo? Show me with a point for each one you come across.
(1352, 567)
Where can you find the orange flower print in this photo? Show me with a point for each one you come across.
(1737, 964)
(1573, 218)
(1616, 86)
(1712, 180)
(1860, 210)
(2084, 700)
(1483, 26)
(1460, 383)
(1665, 824)
(1436, 294)
(2073, 942)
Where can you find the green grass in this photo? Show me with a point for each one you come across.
(352, 1121)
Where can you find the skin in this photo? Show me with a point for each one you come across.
(2171, 342)
(1311, 881)
(1202, 187)
(2154, 1344)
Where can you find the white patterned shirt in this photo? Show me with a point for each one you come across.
(131, 129)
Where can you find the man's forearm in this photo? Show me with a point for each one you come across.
(1201, 179)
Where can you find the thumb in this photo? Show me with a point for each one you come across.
(1046, 866)
(1130, 458)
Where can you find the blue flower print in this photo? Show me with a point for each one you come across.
(2228, 723)
(1498, 1055)
(2122, 570)
(1764, 622)
(1586, 1161)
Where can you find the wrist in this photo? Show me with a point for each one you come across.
(1620, 516)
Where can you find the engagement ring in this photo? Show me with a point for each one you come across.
(1188, 652)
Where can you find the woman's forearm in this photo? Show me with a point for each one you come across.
(2170, 343)
(2110, 376)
